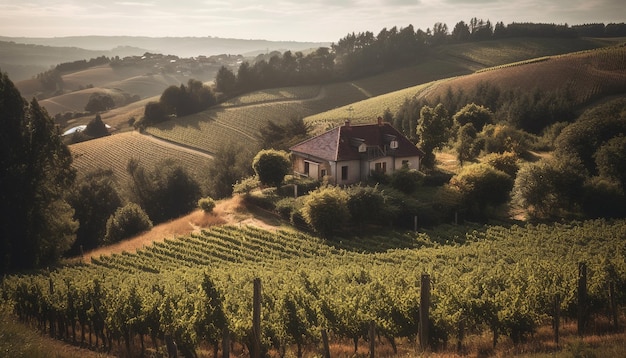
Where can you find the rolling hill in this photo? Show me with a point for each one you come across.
(599, 72)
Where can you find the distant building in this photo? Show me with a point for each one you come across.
(349, 153)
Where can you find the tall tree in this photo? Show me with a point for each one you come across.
(433, 131)
(36, 226)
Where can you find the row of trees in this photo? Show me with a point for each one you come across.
(36, 225)
(363, 54)
(179, 101)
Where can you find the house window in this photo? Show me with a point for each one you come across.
(344, 172)
(381, 167)
(323, 172)
(405, 163)
(306, 168)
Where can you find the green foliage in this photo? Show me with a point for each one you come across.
(225, 81)
(365, 204)
(472, 113)
(281, 137)
(166, 192)
(246, 185)
(500, 138)
(506, 162)
(406, 180)
(550, 187)
(231, 164)
(594, 127)
(166, 288)
(207, 204)
(611, 159)
(271, 166)
(481, 186)
(326, 210)
(36, 226)
(467, 146)
(433, 131)
(94, 198)
(126, 222)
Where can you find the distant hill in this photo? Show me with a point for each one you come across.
(22, 61)
(23, 57)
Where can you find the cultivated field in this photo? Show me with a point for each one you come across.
(115, 151)
(490, 284)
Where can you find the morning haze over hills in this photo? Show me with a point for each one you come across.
(176, 171)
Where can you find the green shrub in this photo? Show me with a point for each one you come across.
(246, 185)
(406, 180)
(207, 204)
(127, 221)
(326, 210)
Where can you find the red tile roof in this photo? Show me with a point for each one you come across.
(341, 143)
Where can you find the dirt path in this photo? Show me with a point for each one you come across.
(228, 211)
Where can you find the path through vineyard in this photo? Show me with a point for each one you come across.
(228, 211)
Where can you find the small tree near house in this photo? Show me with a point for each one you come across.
(271, 166)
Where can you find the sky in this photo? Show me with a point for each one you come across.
(281, 20)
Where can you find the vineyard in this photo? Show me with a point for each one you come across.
(115, 151)
(495, 279)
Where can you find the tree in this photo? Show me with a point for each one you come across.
(271, 166)
(230, 164)
(94, 198)
(466, 147)
(126, 222)
(36, 224)
(461, 32)
(611, 160)
(433, 131)
(99, 102)
(479, 116)
(480, 186)
(166, 192)
(281, 137)
(406, 180)
(550, 187)
(96, 128)
(326, 210)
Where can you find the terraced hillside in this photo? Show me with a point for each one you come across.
(115, 151)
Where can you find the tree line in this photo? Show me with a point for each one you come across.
(364, 54)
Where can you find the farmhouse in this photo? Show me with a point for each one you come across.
(350, 153)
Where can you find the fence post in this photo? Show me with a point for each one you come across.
(424, 311)
(372, 337)
(557, 317)
(256, 319)
(326, 345)
(582, 298)
(613, 303)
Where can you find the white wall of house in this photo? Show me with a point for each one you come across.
(350, 175)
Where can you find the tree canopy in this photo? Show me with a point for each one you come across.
(36, 225)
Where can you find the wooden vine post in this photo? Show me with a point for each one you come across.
(582, 298)
(424, 322)
(613, 306)
(256, 319)
(372, 338)
(325, 343)
(557, 318)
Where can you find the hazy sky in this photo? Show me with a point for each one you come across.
(291, 20)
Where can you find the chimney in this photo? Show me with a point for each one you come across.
(380, 121)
